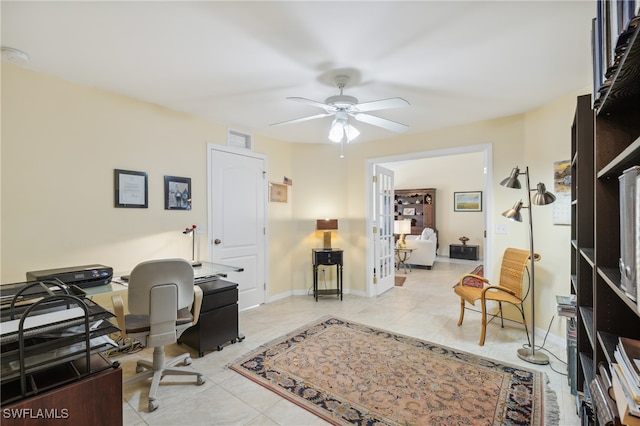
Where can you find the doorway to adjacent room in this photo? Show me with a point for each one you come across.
(485, 155)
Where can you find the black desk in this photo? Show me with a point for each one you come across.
(327, 257)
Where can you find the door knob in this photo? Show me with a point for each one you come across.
(216, 241)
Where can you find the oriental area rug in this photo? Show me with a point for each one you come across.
(352, 374)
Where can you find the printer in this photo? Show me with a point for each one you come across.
(80, 276)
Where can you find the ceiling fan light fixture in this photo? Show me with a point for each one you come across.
(337, 130)
(351, 132)
(340, 128)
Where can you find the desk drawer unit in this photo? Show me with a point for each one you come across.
(218, 323)
(459, 251)
(328, 258)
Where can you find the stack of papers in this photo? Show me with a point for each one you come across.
(566, 305)
(626, 378)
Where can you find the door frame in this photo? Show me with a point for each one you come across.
(245, 153)
(485, 149)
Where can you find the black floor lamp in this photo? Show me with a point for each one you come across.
(541, 197)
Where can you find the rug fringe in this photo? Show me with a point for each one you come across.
(551, 405)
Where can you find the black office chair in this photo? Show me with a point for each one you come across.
(163, 302)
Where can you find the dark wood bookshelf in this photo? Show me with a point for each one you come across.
(423, 202)
(605, 142)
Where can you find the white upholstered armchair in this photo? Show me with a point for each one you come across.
(424, 248)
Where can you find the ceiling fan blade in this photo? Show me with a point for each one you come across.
(382, 104)
(381, 122)
(310, 102)
(299, 120)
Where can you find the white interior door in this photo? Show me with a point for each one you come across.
(237, 219)
(383, 215)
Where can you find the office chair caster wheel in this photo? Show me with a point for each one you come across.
(187, 361)
(153, 405)
(201, 380)
(139, 369)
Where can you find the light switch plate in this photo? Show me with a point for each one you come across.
(502, 228)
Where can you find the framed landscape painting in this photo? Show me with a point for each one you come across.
(470, 201)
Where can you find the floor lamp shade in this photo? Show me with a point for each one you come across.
(327, 225)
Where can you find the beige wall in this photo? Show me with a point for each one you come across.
(61, 142)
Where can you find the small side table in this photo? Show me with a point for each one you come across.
(463, 251)
(402, 255)
(327, 257)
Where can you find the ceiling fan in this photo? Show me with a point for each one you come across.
(343, 106)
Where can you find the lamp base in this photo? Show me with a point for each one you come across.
(327, 240)
(534, 358)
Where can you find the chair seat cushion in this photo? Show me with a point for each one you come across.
(471, 281)
(140, 323)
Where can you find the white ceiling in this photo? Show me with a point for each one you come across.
(235, 62)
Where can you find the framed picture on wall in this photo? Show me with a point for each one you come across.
(177, 193)
(468, 201)
(130, 189)
(278, 192)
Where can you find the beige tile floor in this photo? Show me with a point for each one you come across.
(424, 307)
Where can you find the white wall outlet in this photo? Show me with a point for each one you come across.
(502, 228)
(199, 230)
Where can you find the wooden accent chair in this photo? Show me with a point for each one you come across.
(508, 289)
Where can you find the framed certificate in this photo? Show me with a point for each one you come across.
(131, 189)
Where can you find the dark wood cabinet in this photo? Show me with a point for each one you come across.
(95, 399)
(218, 323)
(460, 251)
(417, 205)
(605, 142)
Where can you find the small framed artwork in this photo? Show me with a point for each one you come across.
(130, 189)
(278, 192)
(561, 212)
(409, 211)
(470, 201)
(177, 193)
